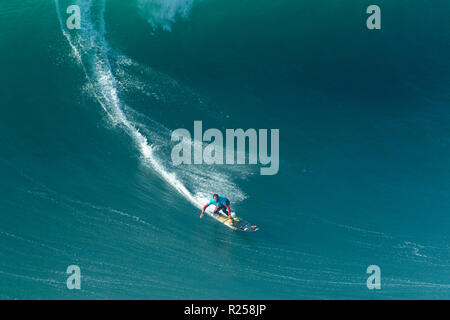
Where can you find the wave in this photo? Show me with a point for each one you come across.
(99, 62)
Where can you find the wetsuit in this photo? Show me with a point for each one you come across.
(222, 204)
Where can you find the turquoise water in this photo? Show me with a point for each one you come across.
(87, 177)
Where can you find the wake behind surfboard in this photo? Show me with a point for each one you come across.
(234, 223)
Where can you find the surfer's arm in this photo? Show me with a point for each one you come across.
(229, 210)
(204, 208)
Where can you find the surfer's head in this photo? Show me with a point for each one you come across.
(216, 197)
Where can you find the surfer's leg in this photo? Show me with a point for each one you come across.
(221, 208)
(224, 209)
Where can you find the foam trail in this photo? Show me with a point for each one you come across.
(91, 50)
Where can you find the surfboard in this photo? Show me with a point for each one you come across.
(234, 223)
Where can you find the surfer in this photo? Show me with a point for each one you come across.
(221, 203)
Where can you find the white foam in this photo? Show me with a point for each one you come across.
(162, 13)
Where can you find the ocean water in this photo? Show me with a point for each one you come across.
(87, 177)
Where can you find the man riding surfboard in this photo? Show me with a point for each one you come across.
(221, 203)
